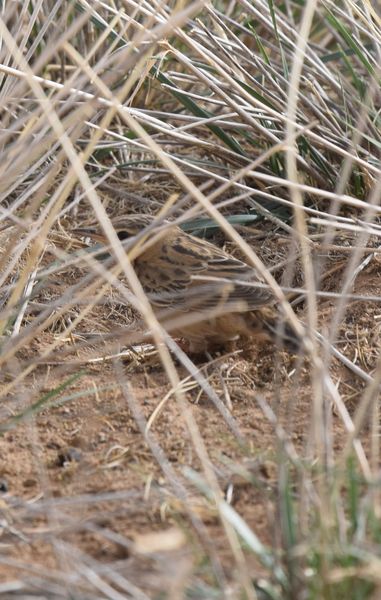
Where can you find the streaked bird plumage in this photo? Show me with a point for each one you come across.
(218, 297)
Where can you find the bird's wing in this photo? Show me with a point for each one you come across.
(169, 274)
(222, 265)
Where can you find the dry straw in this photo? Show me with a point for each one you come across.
(258, 124)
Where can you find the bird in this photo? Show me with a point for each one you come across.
(200, 292)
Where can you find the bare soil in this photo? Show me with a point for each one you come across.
(83, 486)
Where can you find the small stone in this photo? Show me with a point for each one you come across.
(29, 483)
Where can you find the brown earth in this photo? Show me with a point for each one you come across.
(85, 489)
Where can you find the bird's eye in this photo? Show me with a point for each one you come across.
(123, 235)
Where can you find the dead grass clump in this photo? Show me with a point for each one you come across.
(128, 470)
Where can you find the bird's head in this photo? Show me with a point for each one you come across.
(125, 227)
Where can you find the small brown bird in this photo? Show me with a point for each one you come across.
(198, 291)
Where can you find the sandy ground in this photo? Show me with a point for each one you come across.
(83, 489)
